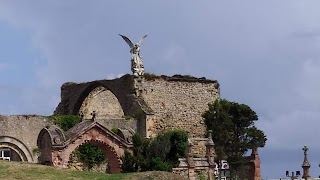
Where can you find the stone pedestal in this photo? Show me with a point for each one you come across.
(306, 165)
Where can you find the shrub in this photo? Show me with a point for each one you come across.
(157, 164)
(65, 122)
(90, 154)
(129, 164)
(161, 153)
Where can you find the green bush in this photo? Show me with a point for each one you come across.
(65, 122)
(157, 164)
(161, 153)
(90, 154)
(130, 164)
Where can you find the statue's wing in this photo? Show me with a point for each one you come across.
(142, 39)
(127, 40)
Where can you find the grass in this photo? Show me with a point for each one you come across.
(26, 171)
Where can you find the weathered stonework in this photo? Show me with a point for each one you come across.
(157, 104)
(130, 124)
(167, 102)
(199, 146)
(178, 104)
(103, 102)
(20, 134)
(73, 95)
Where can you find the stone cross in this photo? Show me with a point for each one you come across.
(305, 149)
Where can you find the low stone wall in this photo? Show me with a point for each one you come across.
(119, 123)
(201, 169)
(22, 131)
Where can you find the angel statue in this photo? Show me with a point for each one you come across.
(137, 67)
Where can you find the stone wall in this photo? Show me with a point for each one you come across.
(199, 146)
(156, 102)
(119, 123)
(178, 103)
(22, 130)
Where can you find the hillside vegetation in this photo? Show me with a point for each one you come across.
(25, 171)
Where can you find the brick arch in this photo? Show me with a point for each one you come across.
(111, 145)
(114, 162)
(92, 87)
(17, 146)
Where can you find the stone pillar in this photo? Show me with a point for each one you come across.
(210, 153)
(255, 173)
(306, 165)
(138, 85)
(191, 165)
(210, 148)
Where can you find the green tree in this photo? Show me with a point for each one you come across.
(233, 131)
(169, 146)
(161, 153)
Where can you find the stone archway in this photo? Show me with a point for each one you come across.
(113, 160)
(18, 148)
(112, 145)
(102, 101)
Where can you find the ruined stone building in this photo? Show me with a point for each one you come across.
(147, 105)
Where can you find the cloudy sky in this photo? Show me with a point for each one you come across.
(263, 53)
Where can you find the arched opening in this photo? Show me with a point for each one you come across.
(44, 143)
(6, 153)
(14, 150)
(89, 157)
(104, 102)
(96, 156)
